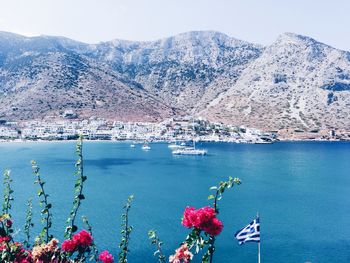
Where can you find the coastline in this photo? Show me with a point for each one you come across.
(19, 141)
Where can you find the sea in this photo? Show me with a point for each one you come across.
(301, 191)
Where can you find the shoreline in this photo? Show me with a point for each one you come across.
(166, 141)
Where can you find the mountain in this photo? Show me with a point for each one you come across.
(40, 77)
(294, 83)
(297, 83)
(186, 71)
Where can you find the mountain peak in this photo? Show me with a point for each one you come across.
(292, 38)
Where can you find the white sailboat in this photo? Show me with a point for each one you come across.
(146, 147)
(190, 151)
(175, 145)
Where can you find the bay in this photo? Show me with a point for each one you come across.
(301, 190)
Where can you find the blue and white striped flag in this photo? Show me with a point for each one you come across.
(250, 233)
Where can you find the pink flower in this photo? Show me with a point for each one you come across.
(203, 215)
(69, 245)
(83, 238)
(106, 257)
(5, 239)
(203, 218)
(213, 227)
(182, 253)
(188, 217)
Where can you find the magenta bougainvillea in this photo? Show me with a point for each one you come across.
(106, 257)
(203, 218)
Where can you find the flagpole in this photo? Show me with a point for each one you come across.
(257, 215)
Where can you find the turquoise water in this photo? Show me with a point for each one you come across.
(301, 191)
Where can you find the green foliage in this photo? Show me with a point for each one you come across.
(125, 232)
(220, 189)
(46, 216)
(78, 190)
(6, 229)
(153, 236)
(6, 206)
(28, 224)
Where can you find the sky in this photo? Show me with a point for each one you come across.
(257, 21)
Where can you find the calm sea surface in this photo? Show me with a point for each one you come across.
(301, 190)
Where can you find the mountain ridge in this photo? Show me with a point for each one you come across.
(202, 73)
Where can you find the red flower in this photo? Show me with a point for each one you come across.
(188, 217)
(203, 215)
(203, 218)
(5, 239)
(69, 245)
(213, 227)
(106, 257)
(83, 238)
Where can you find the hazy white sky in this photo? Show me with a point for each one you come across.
(259, 21)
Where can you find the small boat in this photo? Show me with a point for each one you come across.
(146, 147)
(190, 151)
(132, 145)
(262, 142)
(174, 146)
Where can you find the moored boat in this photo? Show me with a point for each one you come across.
(190, 151)
(146, 147)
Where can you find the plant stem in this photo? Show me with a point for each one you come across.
(47, 206)
(212, 238)
(79, 186)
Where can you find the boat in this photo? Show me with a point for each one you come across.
(146, 147)
(190, 151)
(132, 145)
(262, 142)
(175, 146)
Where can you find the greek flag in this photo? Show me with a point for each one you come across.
(250, 233)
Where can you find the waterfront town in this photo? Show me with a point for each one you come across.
(184, 128)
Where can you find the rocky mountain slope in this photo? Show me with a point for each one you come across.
(186, 71)
(295, 83)
(40, 78)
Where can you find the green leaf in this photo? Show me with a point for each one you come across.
(211, 197)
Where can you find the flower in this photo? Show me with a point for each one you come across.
(44, 252)
(69, 245)
(5, 239)
(188, 217)
(213, 227)
(182, 253)
(106, 257)
(83, 238)
(203, 218)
